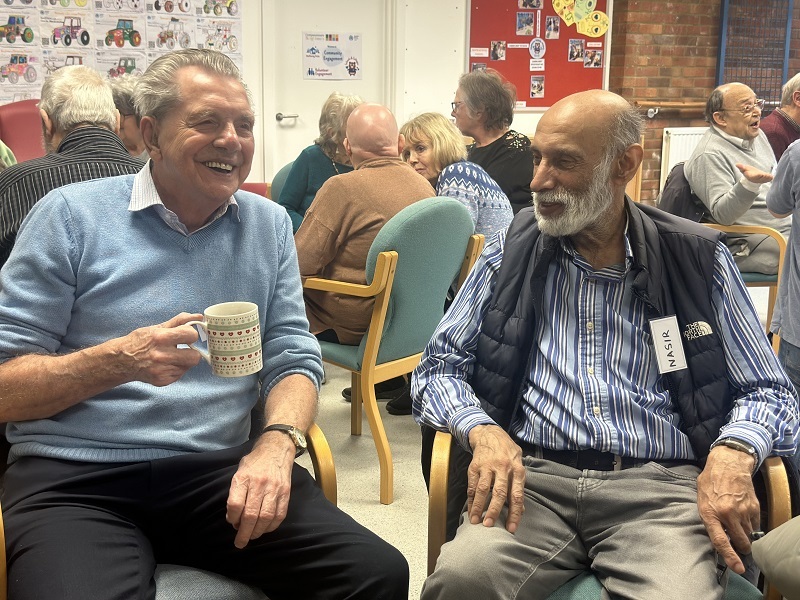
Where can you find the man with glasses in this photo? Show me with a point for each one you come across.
(730, 171)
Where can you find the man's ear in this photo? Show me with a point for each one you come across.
(47, 124)
(628, 163)
(796, 97)
(119, 123)
(346, 144)
(149, 127)
(401, 144)
(718, 119)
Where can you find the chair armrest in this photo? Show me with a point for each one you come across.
(474, 249)
(382, 272)
(437, 496)
(779, 504)
(322, 461)
(779, 500)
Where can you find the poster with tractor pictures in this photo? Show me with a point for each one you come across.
(116, 37)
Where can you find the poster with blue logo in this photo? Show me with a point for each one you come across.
(333, 56)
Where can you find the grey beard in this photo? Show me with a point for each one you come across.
(582, 209)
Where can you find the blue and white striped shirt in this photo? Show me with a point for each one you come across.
(594, 380)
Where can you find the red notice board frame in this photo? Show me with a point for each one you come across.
(492, 21)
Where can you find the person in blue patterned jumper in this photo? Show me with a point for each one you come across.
(436, 150)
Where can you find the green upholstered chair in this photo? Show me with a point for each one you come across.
(760, 279)
(177, 582)
(277, 182)
(587, 586)
(414, 259)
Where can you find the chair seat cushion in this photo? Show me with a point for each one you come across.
(759, 278)
(586, 587)
(346, 356)
(176, 582)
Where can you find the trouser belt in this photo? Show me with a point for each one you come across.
(594, 459)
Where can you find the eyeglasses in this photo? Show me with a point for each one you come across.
(455, 105)
(748, 109)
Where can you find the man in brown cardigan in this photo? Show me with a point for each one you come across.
(346, 215)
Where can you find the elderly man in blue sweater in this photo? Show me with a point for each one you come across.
(126, 449)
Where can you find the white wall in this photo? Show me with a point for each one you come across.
(427, 53)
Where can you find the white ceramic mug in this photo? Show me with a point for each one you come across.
(234, 338)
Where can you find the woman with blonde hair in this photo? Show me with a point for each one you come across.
(320, 161)
(436, 150)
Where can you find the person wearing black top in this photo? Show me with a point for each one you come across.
(483, 110)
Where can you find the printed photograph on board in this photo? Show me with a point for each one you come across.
(552, 28)
(593, 59)
(498, 51)
(575, 51)
(525, 23)
(537, 86)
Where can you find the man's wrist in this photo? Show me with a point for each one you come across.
(739, 446)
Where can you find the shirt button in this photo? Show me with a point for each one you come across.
(590, 370)
(597, 410)
(590, 326)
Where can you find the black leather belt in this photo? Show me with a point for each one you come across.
(594, 459)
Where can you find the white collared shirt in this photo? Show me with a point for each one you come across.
(145, 194)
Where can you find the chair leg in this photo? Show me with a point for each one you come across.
(773, 296)
(381, 441)
(356, 399)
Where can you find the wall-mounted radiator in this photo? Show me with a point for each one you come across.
(677, 146)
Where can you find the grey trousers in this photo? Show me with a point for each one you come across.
(638, 530)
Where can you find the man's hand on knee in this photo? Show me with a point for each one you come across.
(727, 503)
(260, 488)
(496, 476)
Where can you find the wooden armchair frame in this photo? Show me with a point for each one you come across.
(371, 371)
(773, 471)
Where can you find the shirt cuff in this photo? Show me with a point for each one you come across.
(749, 185)
(464, 421)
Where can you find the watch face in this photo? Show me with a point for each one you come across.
(298, 438)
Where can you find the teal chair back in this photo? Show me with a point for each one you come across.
(279, 180)
(430, 238)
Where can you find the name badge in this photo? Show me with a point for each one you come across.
(668, 345)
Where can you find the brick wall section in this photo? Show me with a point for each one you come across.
(668, 51)
(665, 51)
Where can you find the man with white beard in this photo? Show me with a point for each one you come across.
(606, 369)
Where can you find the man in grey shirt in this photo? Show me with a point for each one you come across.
(730, 171)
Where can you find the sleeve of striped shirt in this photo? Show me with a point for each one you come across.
(442, 395)
(765, 410)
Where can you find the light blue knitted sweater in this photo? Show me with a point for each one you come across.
(85, 269)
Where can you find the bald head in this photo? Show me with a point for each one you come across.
(586, 148)
(591, 128)
(732, 108)
(372, 132)
(716, 101)
(592, 115)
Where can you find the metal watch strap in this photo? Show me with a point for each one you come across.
(741, 447)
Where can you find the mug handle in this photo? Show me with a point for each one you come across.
(203, 351)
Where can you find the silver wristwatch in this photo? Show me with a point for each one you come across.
(297, 436)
